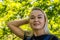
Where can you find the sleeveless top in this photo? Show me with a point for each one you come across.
(42, 37)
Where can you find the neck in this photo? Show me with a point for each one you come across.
(38, 32)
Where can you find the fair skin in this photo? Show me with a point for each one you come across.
(36, 22)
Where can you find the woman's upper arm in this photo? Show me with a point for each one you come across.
(14, 26)
(17, 31)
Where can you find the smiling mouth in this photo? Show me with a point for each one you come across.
(36, 24)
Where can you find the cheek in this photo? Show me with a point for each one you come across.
(30, 22)
(42, 22)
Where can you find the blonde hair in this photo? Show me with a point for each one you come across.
(46, 19)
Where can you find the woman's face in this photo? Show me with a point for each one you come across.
(37, 20)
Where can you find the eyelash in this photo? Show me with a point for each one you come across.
(31, 18)
(39, 17)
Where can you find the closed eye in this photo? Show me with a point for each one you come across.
(39, 17)
(32, 18)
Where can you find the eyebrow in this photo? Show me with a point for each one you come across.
(38, 15)
(31, 15)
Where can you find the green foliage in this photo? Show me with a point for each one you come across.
(18, 9)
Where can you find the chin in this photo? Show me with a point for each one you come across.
(36, 28)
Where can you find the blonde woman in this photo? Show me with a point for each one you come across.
(38, 22)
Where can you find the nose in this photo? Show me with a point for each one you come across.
(36, 20)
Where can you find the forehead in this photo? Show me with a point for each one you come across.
(36, 12)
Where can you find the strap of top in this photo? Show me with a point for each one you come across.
(26, 37)
(47, 37)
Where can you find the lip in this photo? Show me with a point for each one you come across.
(36, 24)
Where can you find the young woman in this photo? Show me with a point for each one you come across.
(38, 22)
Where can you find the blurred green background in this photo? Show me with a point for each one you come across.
(20, 9)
